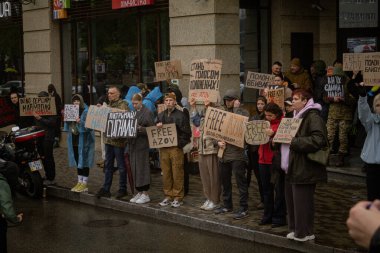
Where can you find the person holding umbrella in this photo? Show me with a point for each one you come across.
(138, 150)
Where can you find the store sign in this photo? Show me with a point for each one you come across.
(356, 14)
(5, 9)
(119, 4)
(59, 8)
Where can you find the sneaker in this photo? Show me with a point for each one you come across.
(176, 203)
(121, 194)
(74, 189)
(290, 236)
(210, 206)
(144, 198)
(222, 210)
(82, 188)
(49, 182)
(165, 202)
(241, 214)
(205, 204)
(136, 197)
(304, 239)
(103, 193)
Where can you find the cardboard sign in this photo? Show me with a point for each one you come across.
(255, 132)
(371, 73)
(168, 70)
(259, 80)
(205, 80)
(334, 86)
(39, 105)
(276, 96)
(226, 126)
(287, 130)
(163, 137)
(97, 117)
(71, 112)
(353, 62)
(121, 125)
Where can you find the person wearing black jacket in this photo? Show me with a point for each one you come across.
(45, 149)
(172, 158)
(22, 122)
(58, 106)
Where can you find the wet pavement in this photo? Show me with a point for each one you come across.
(333, 201)
(56, 225)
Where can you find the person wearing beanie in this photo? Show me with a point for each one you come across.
(318, 74)
(298, 76)
(233, 160)
(172, 158)
(340, 111)
(80, 145)
(45, 149)
(8, 183)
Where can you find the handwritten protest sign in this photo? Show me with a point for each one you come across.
(255, 132)
(287, 130)
(71, 112)
(38, 105)
(168, 70)
(205, 79)
(97, 117)
(259, 80)
(276, 96)
(353, 62)
(121, 125)
(334, 86)
(163, 137)
(371, 73)
(226, 126)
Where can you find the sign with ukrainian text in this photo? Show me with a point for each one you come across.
(334, 87)
(222, 125)
(258, 80)
(120, 4)
(276, 96)
(163, 137)
(205, 80)
(168, 70)
(371, 70)
(97, 117)
(353, 61)
(38, 105)
(255, 132)
(71, 112)
(121, 125)
(287, 130)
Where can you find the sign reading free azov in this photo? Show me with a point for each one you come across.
(121, 125)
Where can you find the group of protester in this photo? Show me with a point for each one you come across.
(286, 177)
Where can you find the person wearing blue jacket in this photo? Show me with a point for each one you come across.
(371, 150)
(80, 145)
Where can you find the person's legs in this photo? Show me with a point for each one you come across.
(177, 160)
(109, 163)
(119, 154)
(3, 235)
(279, 209)
(214, 181)
(303, 197)
(167, 176)
(239, 169)
(372, 180)
(205, 175)
(48, 161)
(265, 176)
(290, 206)
(331, 128)
(226, 174)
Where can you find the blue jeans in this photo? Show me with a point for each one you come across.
(113, 152)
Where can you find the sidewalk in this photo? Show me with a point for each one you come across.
(333, 201)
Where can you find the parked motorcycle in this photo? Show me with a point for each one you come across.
(20, 146)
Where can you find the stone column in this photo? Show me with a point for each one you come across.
(41, 48)
(206, 29)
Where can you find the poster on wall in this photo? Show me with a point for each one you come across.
(362, 45)
(59, 8)
(356, 14)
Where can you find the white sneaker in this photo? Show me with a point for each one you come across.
(290, 236)
(306, 238)
(176, 203)
(144, 198)
(205, 204)
(165, 202)
(135, 198)
(210, 206)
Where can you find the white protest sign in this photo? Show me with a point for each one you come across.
(71, 112)
(121, 125)
(163, 137)
(255, 132)
(258, 80)
(205, 79)
(226, 126)
(287, 130)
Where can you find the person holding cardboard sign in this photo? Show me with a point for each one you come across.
(172, 158)
(233, 160)
(302, 174)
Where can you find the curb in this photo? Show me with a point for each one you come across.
(257, 237)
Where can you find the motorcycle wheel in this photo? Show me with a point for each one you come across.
(33, 184)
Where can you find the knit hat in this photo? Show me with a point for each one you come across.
(320, 67)
(231, 94)
(170, 95)
(296, 62)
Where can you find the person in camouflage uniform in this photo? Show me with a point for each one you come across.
(340, 115)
